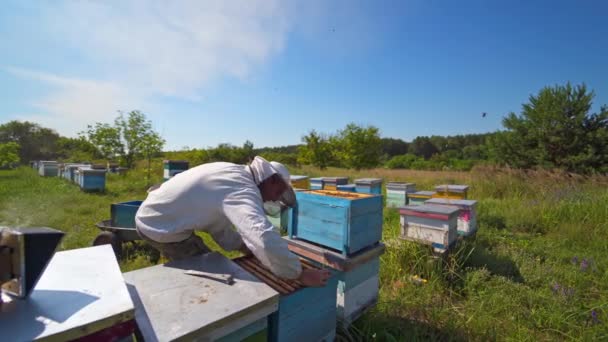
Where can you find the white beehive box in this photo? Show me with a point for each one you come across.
(467, 219)
(434, 225)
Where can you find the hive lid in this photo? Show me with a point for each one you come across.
(316, 179)
(423, 193)
(297, 177)
(335, 179)
(445, 201)
(172, 305)
(399, 185)
(419, 210)
(347, 195)
(369, 181)
(452, 187)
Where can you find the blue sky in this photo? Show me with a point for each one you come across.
(269, 71)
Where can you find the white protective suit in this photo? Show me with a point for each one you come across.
(212, 198)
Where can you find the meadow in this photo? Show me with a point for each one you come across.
(535, 271)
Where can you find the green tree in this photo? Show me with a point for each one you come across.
(35, 141)
(423, 147)
(394, 147)
(555, 130)
(137, 136)
(359, 147)
(76, 150)
(106, 139)
(316, 150)
(150, 144)
(404, 161)
(9, 154)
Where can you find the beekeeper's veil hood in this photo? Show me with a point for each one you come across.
(262, 169)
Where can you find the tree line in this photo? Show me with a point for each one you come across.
(555, 129)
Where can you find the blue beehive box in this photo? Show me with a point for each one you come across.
(347, 187)
(173, 167)
(316, 183)
(91, 180)
(123, 214)
(358, 282)
(369, 185)
(344, 221)
(305, 313)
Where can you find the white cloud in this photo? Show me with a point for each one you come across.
(174, 48)
(134, 51)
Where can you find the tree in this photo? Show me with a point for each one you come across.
(359, 147)
(137, 136)
(394, 147)
(106, 139)
(9, 154)
(131, 138)
(76, 149)
(423, 147)
(317, 150)
(36, 142)
(555, 130)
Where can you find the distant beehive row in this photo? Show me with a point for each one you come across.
(89, 177)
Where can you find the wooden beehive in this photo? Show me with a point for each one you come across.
(316, 183)
(467, 218)
(171, 305)
(358, 283)
(300, 182)
(433, 225)
(369, 185)
(396, 193)
(48, 168)
(123, 214)
(173, 167)
(419, 197)
(305, 313)
(347, 187)
(91, 180)
(331, 183)
(451, 191)
(344, 221)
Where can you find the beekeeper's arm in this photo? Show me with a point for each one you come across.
(243, 208)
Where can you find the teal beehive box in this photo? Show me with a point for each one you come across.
(369, 185)
(90, 179)
(174, 167)
(123, 214)
(347, 187)
(305, 313)
(340, 220)
(358, 276)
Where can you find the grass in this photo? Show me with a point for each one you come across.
(536, 271)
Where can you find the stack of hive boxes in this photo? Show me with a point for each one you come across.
(397, 192)
(434, 225)
(467, 217)
(316, 183)
(369, 185)
(347, 226)
(304, 313)
(331, 183)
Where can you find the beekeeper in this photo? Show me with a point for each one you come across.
(213, 198)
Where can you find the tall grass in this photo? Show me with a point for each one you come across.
(536, 271)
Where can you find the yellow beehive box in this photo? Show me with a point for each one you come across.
(300, 182)
(452, 191)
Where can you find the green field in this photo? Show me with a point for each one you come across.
(537, 269)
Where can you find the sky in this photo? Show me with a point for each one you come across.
(209, 72)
